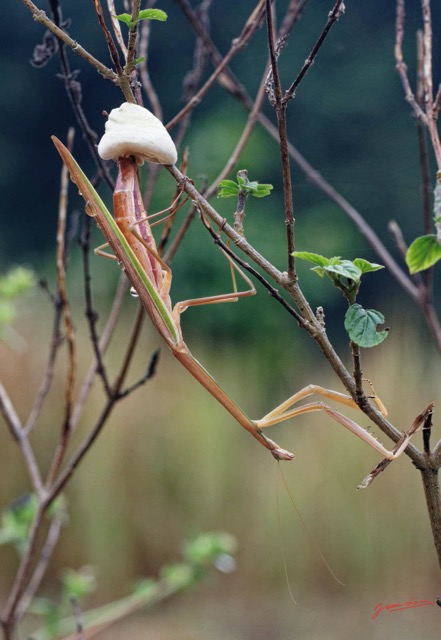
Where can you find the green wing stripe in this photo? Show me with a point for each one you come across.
(157, 300)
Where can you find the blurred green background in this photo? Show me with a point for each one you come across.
(171, 462)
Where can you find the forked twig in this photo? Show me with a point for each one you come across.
(419, 423)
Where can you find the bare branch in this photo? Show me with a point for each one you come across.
(40, 16)
(239, 43)
(333, 17)
(20, 436)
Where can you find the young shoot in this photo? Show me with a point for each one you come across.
(241, 190)
(360, 324)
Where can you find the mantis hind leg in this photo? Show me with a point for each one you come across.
(286, 410)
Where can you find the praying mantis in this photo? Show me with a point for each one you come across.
(129, 236)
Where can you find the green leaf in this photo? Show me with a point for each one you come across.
(16, 282)
(145, 14)
(228, 183)
(321, 261)
(345, 269)
(152, 14)
(365, 266)
(262, 190)
(423, 253)
(126, 18)
(361, 325)
(78, 584)
(138, 60)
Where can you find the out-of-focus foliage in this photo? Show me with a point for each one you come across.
(200, 555)
(14, 285)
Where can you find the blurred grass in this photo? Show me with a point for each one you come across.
(171, 462)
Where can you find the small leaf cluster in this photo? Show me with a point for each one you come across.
(144, 14)
(425, 251)
(243, 187)
(199, 555)
(17, 518)
(16, 522)
(75, 587)
(13, 285)
(360, 324)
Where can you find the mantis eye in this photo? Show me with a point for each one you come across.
(132, 130)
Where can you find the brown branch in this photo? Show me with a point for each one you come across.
(333, 17)
(147, 84)
(38, 574)
(113, 51)
(133, 35)
(21, 438)
(401, 67)
(90, 312)
(61, 286)
(280, 108)
(238, 44)
(102, 346)
(40, 16)
(66, 314)
(23, 575)
(117, 27)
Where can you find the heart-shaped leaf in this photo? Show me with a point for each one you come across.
(361, 325)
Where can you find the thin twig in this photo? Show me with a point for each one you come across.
(24, 572)
(150, 372)
(20, 436)
(113, 51)
(271, 290)
(117, 27)
(333, 17)
(46, 382)
(44, 556)
(146, 80)
(133, 35)
(40, 16)
(239, 43)
(130, 352)
(103, 344)
(61, 286)
(280, 108)
(90, 312)
(401, 67)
